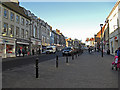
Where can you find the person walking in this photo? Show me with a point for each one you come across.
(39, 51)
(118, 53)
(23, 52)
(19, 52)
(89, 50)
(32, 51)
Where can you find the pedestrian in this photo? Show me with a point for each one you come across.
(19, 51)
(39, 50)
(89, 49)
(23, 52)
(116, 50)
(118, 53)
(32, 51)
(108, 51)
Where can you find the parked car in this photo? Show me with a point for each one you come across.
(50, 49)
(67, 51)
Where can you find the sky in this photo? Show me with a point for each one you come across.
(79, 20)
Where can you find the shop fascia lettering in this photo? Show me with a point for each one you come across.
(7, 41)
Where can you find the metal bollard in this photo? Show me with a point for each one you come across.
(37, 74)
(56, 61)
(66, 58)
(76, 55)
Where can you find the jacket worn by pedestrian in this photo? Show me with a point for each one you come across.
(118, 53)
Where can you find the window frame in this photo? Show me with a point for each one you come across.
(5, 14)
(17, 19)
(12, 16)
(12, 29)
(4, 28)
(22, 21)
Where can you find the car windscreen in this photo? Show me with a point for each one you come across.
(67, 49)
(49, 48)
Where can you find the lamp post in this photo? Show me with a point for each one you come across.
(101, 39)
(30, 37)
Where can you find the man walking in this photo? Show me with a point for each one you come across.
(23, 52)
(19, 52)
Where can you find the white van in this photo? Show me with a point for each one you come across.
(50, 49)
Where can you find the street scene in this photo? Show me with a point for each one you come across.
(60, 45)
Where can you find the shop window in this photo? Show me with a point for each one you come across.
(9, 48)
(11, 31)
(12, 16)
(1, 49)
(17, 19)
(22, 21)
(17, 31)
(5, 29)
(5, 13)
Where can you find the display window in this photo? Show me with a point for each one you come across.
(9, 48)
(1, 49)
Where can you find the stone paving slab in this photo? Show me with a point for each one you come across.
(86, 71)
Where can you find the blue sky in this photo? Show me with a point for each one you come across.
(74, 19)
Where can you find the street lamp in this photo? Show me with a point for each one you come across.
(101, 38)
(30, 37)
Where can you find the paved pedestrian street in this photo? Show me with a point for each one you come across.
(85, 71)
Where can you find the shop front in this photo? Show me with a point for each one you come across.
(7, 47)
(23, 46)
(36, 47)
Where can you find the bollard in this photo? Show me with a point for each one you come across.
(56, 61)
(76, 55)
(66, 58)
(37, 74)
(72, 56)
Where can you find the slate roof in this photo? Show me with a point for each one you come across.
(16, 8)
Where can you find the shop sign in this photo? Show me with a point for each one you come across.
(7, 41)
(116, 38)
(39, 43)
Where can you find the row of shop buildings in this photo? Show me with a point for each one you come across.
(21, 29)
(109, 34)
(75, 43)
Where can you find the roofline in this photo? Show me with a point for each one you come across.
(16, 11)
(113, 8)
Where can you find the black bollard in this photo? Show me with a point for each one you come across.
(66, 58)
(56, 61)
(76, 55)
(37, 68)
